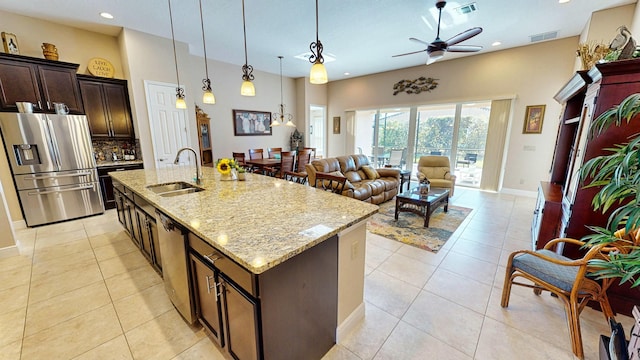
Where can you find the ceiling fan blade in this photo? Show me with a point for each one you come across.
(464, 36)
(464, 48)
(410, 53)
(419, 41)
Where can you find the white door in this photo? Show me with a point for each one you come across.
(169, 130)
(317, 129)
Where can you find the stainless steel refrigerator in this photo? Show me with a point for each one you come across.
(53, 167)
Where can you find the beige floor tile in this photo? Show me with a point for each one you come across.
(459, 289)
(163, 337)
(49, 286)
(499, 341)
(469, 267)
(11, 326)
(376, 255)
(114, 249)
(60, 228)
(52, 238)
(122, 264)
(388, 293)
(202, 350)
(58, 309)
(367, 338)
(407, 269)
(445, 321)
(64, 250)
(108, 238)
(14, 262)
(423, 256)
(132, 282)
(14, 277)
(477, 250)
(44, 268)
(487, 236)
(383, 242)
(11, 351)
(14, 298)
(340, 353)
(73, 337)
(407, 342)
(141, 307)
(114, 349)
(108, 226)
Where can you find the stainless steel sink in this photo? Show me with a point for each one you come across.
(174, 188)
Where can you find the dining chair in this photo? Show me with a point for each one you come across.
(256, 154)
(313, 151)
(240, 160)
(274, 152)
(330, 182)
(287, 160)
(299, 174)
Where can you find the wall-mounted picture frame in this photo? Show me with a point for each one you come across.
(251, 123)
(533, 118)
(10, 43)
(336, 124)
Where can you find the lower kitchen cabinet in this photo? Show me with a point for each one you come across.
(205, 282)
(106, 186)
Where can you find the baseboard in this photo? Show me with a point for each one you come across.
(19, 224)
(350, 323)
(525, 193)
(9, 251)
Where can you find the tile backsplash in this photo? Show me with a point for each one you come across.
(128, 149)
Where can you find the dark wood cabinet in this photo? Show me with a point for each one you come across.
(106, 185)
(547, 215)
(585, 97)
(39, 81)
(106, 103)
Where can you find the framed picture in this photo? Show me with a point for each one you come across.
(533, 119)
(249, 123)
(10, 42)
(336, 125)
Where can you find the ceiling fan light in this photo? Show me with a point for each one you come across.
(436, 54)
(318, 74)
(247, 89)
(208, 97)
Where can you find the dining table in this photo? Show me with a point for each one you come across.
(265, 165)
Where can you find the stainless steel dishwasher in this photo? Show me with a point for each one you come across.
(173, 246)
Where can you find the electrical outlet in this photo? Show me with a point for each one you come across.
(355, 248)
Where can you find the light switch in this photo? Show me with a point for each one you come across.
(529, 148)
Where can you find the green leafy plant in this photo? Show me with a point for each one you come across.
(618, 176)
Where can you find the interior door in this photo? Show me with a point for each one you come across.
(317, 119)
(169, 130)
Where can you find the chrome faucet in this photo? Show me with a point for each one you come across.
(195, 154)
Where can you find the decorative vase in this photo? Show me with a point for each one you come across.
(229, 176)
(49, 51)
(424, 189)
(242, 176)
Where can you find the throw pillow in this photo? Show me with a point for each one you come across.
(371, 173)
(347, 184)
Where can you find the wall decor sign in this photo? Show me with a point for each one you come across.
(100, 67)
(249, 123)
(415, 86)
(533, 119)
(336, 124)
(10, 43)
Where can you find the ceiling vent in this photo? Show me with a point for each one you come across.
(469, 8)
(544, 36)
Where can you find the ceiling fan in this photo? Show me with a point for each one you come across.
(436, 49)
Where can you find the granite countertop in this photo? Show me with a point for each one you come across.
(117, 163)
(260, 222)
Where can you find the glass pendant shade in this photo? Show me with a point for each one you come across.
(208, 97)
(180, 103)
(290, 123)
(275, 122)
(247, 89)
(318, 74)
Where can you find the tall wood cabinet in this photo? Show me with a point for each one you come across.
(585, 97)
(39, 81)
(107, 106)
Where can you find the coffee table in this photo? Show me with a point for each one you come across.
(412, 201)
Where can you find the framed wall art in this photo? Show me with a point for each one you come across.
(10, 43)
(533, 119)
(336, 124)
(250, 123)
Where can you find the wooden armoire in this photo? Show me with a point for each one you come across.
(587, 95)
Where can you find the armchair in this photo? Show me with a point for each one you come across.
(438, 170)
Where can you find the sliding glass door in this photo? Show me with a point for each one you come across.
(471, 142)
(380, 131)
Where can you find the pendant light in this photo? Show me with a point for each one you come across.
(282, 115)
(180, 103)
(318, 74)
(247, 88)
(207, 96)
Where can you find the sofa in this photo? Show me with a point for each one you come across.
(364, 182)
(438, 170)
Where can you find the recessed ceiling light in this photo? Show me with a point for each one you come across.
(563, 1)
(496, 43)
(106, 15)
(347, 73)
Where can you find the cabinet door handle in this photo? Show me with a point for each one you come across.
(208, 278)
(212, 261)
(48, 105)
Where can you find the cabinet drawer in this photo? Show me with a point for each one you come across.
(232, 270)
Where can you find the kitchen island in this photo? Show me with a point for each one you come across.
(294, 254)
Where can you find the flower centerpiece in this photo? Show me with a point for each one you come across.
(425, 184)
(227, 168)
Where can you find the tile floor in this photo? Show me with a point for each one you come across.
(82, 290)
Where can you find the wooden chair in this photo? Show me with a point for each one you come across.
(299, 174)
(567, 278)
(240, 160)
(312, 150)
(329, 182)
(256, 154)
(273, 152)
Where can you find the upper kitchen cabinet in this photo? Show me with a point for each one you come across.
(106, 102)
(39, 81)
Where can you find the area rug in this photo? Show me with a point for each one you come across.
(409, 227)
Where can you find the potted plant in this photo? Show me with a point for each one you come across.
(618, 175)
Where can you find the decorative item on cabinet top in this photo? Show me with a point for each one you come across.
(10, 42)
(49, 51)
(100, 67)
